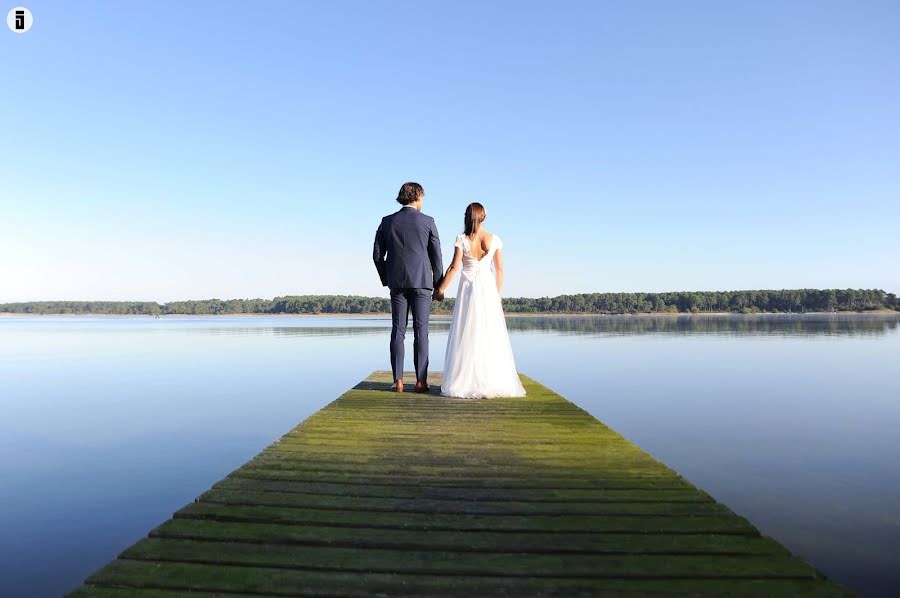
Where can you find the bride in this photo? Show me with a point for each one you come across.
(479, 361)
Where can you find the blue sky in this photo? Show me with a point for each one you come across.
(222, 149)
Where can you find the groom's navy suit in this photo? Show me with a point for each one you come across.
(407, 254)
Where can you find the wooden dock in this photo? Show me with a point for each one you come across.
(380, 494)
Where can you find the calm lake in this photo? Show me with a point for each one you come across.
(110, 424)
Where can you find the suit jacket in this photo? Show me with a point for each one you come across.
(407, 251)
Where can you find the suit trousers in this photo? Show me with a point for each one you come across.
(418, 301)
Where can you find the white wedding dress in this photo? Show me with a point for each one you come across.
(479, 361)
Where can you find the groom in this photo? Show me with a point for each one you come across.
(407, 254)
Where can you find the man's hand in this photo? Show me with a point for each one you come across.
(437, 295)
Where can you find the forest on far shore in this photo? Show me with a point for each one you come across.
(746, 302)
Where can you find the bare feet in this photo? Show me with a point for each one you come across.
(397, 386)
(421, 386)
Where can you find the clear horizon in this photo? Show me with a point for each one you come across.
(211, 151)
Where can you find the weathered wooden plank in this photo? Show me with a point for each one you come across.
(540, 543)
(287, 582)
(236, 483)
(397, 495)
(618, 518)
(511, 564)
(374, 488)
(421, 505)
(621, 468)
(529, 482)
(90, 591)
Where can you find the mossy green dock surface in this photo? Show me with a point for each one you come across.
(385, 494)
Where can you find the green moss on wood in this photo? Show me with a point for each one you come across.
(396, 495)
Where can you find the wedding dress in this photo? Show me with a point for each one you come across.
(479, 361)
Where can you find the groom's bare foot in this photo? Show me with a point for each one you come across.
(421, 386)
(397, 386)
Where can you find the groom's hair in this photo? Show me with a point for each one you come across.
(409, 193)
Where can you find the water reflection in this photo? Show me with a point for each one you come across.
(786, 325)
(373, 327)
(720, 325)
(336, 331)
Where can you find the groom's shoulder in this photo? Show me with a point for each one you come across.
(390, 217)
(407, 217)
(417, 217)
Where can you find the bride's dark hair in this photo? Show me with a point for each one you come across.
(475, 215)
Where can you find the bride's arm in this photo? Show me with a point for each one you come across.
(498, 269)
(451, 271)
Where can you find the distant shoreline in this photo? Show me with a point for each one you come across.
(447, 315)
(706, 303)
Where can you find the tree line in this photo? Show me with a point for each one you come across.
(760, 301)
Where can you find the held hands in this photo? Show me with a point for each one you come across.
(438, 295)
